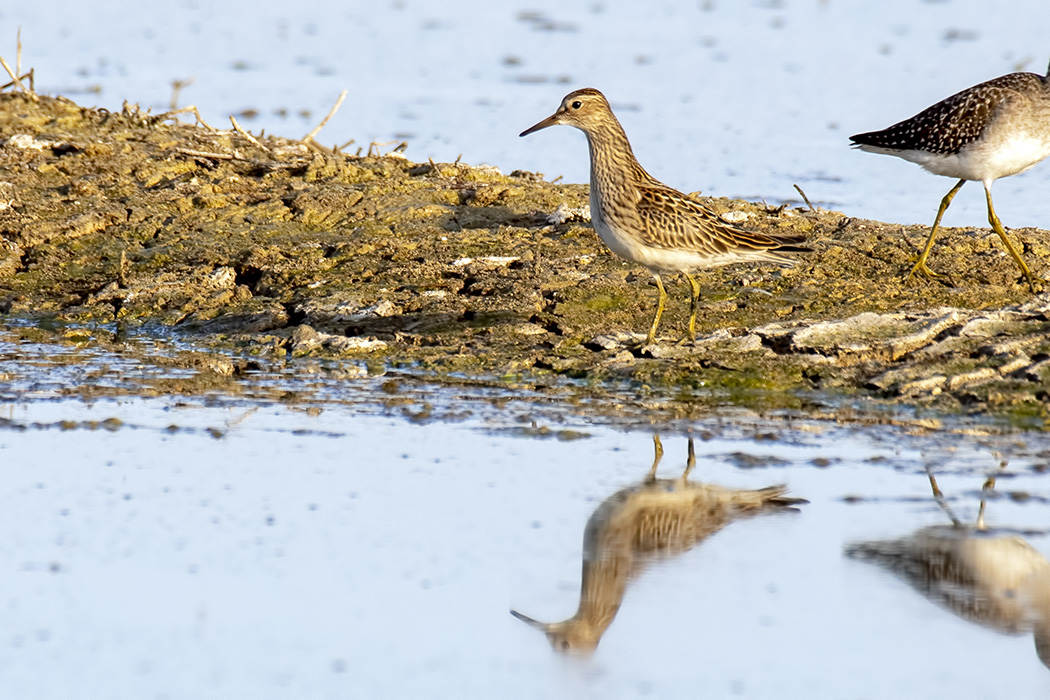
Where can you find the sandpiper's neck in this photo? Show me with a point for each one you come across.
(612, 160)
(602, 588)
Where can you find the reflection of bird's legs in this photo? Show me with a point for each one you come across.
(988, 487)
(689, 463)
(658, 449)
(939, 497)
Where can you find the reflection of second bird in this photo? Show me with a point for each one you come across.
(638, 524)
(994, 579)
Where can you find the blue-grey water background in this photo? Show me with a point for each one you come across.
(239, 547)
(739, 99)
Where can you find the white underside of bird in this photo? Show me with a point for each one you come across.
(983, 161)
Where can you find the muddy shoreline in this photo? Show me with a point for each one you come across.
(116, 225)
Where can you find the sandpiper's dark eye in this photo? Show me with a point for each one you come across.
(577, 104)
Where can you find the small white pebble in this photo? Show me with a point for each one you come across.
(25, 141)
(222, 277)
(342, 344)
(566, 213)
(529, 329)
(735, 217)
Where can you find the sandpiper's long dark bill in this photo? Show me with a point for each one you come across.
(644, 221)
(995, 129)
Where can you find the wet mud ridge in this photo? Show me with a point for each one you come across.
(278, 249)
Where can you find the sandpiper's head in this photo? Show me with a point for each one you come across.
(585, 109)
(571, 636)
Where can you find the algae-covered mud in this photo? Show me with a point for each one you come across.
(116, 224)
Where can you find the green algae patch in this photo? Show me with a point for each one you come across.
(280, 249)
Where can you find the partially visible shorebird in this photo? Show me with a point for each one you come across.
(649, 223)
(995, 129)
(994, 579)
(634, 526)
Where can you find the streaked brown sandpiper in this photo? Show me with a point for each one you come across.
(648, 223)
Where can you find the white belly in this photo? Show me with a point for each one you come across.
(983, 161)
(618, 242)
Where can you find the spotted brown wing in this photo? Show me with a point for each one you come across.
(954, 122)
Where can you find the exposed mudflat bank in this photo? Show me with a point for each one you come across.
(275, 249)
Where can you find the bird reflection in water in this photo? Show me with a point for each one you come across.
(651, 519)
(990, 577)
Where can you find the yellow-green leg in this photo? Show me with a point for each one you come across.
(694, 291)
(691, 461)
(920, 266)
(989, 487)
(658, 453)
(651, 338)
(997, 226)
(939, 497)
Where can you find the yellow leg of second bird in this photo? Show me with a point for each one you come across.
(920, 266)
(997, 226)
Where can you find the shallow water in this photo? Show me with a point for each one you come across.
(230, 546)
(740, 99)
(299, 538)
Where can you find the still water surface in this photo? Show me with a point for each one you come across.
(230, 546)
